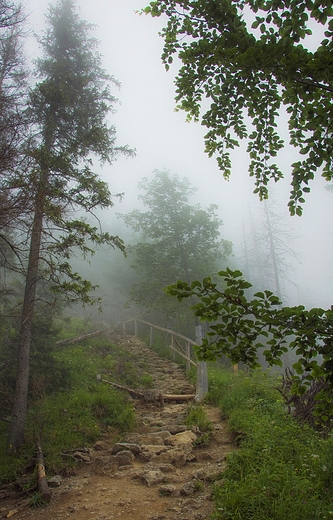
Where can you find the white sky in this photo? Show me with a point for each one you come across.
(146, 120)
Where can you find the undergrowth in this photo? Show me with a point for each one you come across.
(75, 415)
(196, 418)
(281, 469)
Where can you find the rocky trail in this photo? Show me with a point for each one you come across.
(158, 471)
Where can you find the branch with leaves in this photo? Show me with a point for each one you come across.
(239, 327)
(252, 61)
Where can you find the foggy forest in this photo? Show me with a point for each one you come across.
(169, 163)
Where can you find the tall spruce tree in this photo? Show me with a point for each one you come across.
(68, 108)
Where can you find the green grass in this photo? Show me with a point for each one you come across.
(72, 327)
(281, 469)
(147, 381)
(76, 415)
(196, 417)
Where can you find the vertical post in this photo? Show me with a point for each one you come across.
(202, 375)
(173, 345)
(124, 329)
(188, 355)
(151, 337)
(135, 328)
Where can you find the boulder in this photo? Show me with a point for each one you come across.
(168, 489)
(209, 473)
(164, 434)
(85, 457)
(124, 458)
(101, 446)
(182, 440)
(166, 468)
(105, 465)
(55, 481)
(176, 428)
(152, 478)
(189, 488)
(174, 456)
(152, 439)
(123, 446)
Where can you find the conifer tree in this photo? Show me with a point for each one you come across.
(68, 108)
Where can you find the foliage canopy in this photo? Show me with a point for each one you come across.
(254, 60)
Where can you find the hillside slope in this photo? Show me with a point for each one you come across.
(161, 470)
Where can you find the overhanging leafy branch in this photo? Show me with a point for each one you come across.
(240, 326)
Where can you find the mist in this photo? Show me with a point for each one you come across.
(147, 121)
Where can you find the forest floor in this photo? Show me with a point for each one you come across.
(166, 473)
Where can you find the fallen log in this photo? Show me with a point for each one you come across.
(76, 339)
(158, 396)
(180, 397)
(43, 487)
(129, 390)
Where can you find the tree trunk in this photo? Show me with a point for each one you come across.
(19, 411)
(285, 355)
(273, 254)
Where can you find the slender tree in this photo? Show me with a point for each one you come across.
(268, 250)
(68, 107)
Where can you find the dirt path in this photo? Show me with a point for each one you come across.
(155, 473)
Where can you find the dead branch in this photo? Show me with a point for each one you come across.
(180, 397)
(42, 483)
(136, 394)
(80, 338)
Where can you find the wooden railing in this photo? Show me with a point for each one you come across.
(175, 339)
(184, 350)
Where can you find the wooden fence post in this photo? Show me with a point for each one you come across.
(171, 342)
(188, 355)
(202, 375)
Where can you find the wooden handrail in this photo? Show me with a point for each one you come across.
(177, 334)
(173, 334)
(183, 356)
